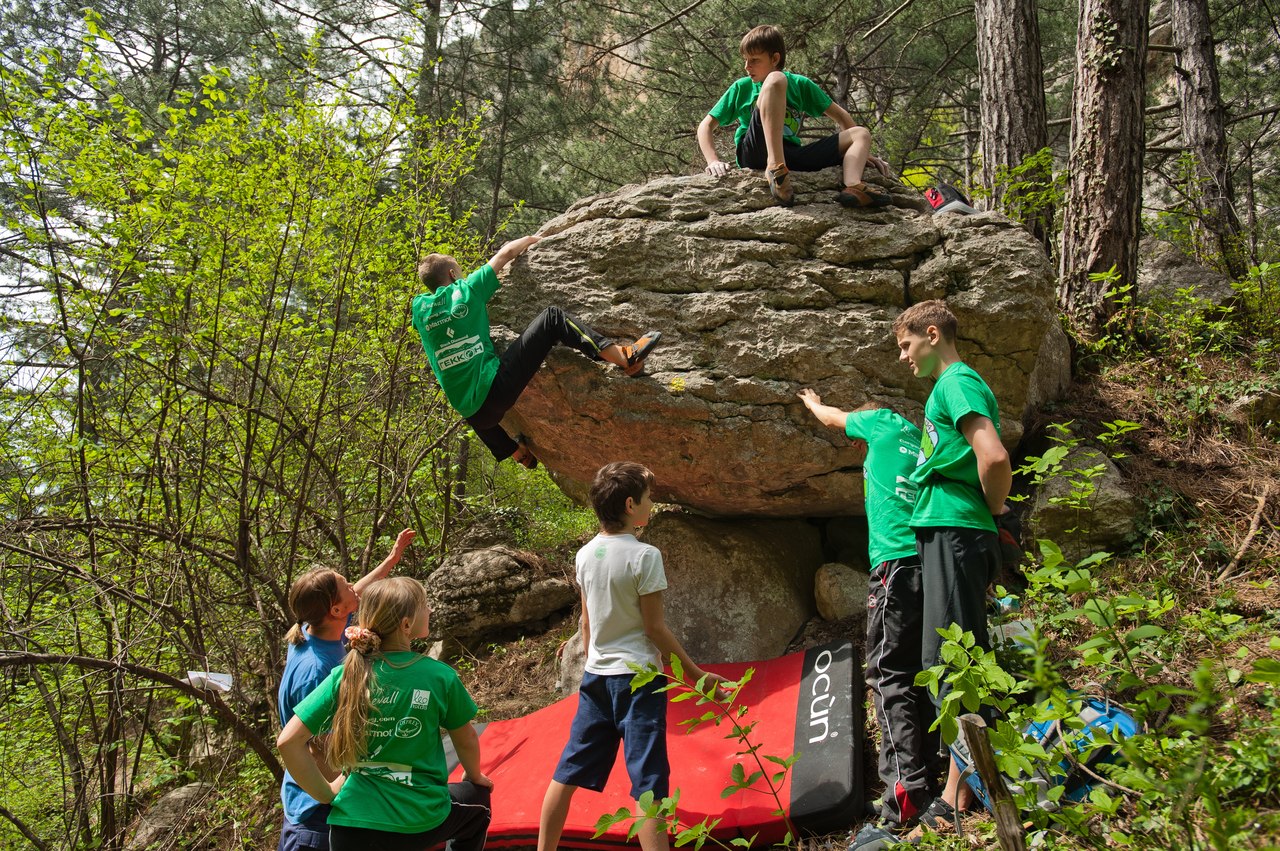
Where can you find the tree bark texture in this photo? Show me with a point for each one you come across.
(1204, 134)
(1011, 100)
(1104, 180)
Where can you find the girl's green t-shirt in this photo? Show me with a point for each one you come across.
(950, 492)
(893, 444)
(402, 782)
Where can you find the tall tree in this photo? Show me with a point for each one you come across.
(1012, 107)
(1104, 180)
(1203, 118)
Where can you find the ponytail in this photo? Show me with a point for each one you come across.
(382, 608)
(310, 598)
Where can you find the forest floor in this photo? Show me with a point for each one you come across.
(1208, 540)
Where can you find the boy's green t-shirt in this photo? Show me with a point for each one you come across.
(803, 98)
(893, 444)
(402, 782)
(950, 491)
(453, 323)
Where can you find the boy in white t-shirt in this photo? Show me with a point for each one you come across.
(622, 581)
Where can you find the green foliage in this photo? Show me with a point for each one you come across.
(1081, 480)
(1179, 783)
(1031, 190)
(222, 389)
(1260, 315)
(758, 772)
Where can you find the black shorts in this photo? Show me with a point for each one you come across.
(815, 156)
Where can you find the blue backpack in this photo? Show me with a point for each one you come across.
(1097, 715)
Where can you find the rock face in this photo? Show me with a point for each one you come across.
(756, 301)
(1164, 270)
(1255, 409)
(736, 591)
(169, 817)
(1107, 523)
(493, 593)
(840, 592)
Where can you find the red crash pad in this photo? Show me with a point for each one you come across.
(809, 702)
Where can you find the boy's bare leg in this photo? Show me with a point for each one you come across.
(652, 835)
(855, 146)
(555, 809)
(957, 793)
(772, 105)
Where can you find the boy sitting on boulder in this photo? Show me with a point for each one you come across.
(767, 104)
(452, 319)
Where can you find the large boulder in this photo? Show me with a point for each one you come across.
(737, 591)
(1087, 508)
(1167, 276)
(168, 818)
(755, 302)
(494, 593)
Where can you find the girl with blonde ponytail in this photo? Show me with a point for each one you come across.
(383, 710)
(322, 602)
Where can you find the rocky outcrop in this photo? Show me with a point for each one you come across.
(736, 591)
(1167, 275)
(1258, 409)
(757, 301)
(840, 592)
(1085, 509)
(493, 593)
(168, 818)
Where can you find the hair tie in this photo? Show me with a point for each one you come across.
(362, 639)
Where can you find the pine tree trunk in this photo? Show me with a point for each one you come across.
(1011, 98)
(1204, 133)
(1104, 181)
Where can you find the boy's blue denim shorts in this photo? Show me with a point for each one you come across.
(609, 712)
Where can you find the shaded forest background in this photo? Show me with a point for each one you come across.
(210, 217)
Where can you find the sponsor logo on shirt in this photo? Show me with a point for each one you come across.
(929, 443)
(905, 490)
(407, 728)
(421, 697)
(460, 310)
(396, 771)
(464, 350)
(439, 320)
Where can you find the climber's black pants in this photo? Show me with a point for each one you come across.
(520, 362)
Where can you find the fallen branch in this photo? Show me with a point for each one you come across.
(1248, 539)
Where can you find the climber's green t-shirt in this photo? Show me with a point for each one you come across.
(803, 98)
(401, 784)
(947, 471)
(453, 323)
(893, 444)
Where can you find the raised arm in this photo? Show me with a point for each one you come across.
(467, 745)
(511, 251)
(827, 415)
(655, 627)
(994, 470)
(383, 570)
(294, 744)
(716, 167)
